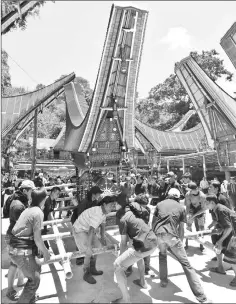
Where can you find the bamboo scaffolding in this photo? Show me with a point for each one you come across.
(49, 237)
(62, 185)
(56, 221)
(77, 254)
(65, 208)
(62, 252)
(194, 235)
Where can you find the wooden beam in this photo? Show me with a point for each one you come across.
(34, 157)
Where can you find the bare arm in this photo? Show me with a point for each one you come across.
(213, 223)
(40, 244)
(181, 231)
(123, 244)
(187, 204)
(102, 232)
(90, 237)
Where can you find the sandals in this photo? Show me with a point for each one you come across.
(13, 295)
(216, 270)
(233, 282)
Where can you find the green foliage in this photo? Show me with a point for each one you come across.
(6, 77)
(168, 102)
(87, 91)
(14, 6)
(53, 118)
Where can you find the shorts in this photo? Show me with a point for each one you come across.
(7, 240)
(230, 252)
(225, 244)
(81, 240)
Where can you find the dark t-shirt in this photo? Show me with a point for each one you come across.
(223, 216)
(139, 188)
(16, 208)
(83, 205)
(224, 201)
(167, 217)
(142, 235)
(48, 207)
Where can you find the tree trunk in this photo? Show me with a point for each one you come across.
(34, 156)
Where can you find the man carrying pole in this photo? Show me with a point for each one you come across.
(168, 225)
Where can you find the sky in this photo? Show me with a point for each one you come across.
(68, 36)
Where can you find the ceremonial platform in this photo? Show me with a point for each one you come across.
(54, 288)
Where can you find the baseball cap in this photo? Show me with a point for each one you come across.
(187, 175)
(95, 190)
(174, 193)
(28, 184)
(170, 174)
(192, 186)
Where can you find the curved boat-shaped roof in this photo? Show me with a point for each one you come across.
(18, 111)
(183, 121)
(167, 141)
(216, 108)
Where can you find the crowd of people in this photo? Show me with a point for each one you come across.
(175, 206)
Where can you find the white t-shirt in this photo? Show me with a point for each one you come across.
(90, 217)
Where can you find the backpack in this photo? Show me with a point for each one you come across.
(139, 211)
(6, 208)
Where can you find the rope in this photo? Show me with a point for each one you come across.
(37, 82)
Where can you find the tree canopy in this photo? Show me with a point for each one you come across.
(8, 7)
(6, 77)
(168, 102)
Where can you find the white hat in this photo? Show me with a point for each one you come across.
(27, 184)
(174, 193)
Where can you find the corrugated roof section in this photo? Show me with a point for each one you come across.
(164, 141)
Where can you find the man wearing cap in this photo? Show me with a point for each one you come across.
(19, 202)
(168, 225)
(172, 183)
(187, 178)
(195, 202)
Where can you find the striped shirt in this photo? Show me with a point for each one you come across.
(92, 217)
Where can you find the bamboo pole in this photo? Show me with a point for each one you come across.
(62, 199)
(62, 252)
(194, 235)
(77, 254)
(34, 156)
(49, 237)
(56, 221)
(66, 220)
(62, 185)
(65, 208)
